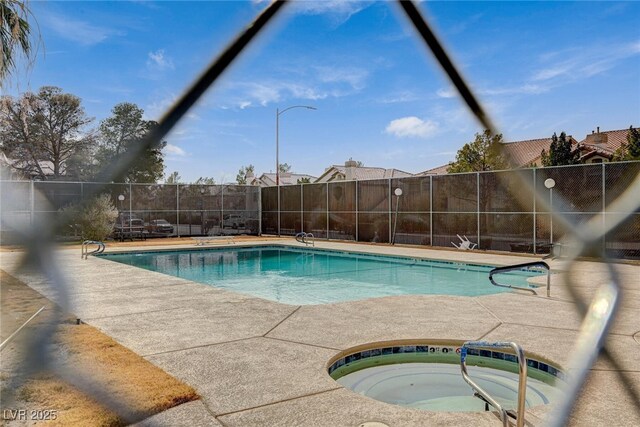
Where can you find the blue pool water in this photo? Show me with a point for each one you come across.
(311, 276)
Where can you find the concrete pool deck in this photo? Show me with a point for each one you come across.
(258, 362)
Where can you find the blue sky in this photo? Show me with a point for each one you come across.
(539, 67)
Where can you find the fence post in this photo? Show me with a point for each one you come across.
(478, 205)
(222, 210)
(301, 208)
(390, 207)
(32, 205)
(535, 191)
(357, 234)
(327, 210)
(178, 208)
(259, 211)
(431, 210)
(604, 210)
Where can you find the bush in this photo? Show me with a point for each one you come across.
(95, 219)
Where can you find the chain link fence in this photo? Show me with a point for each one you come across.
(595, 206)
(490, 208)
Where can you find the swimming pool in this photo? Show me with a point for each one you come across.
(314, 276)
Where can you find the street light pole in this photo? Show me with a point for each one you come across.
(550, 183)
(398, 193)
(278, 113)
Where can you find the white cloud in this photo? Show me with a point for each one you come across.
(340, 11)
(80, 32)
(175, 150)
(447, 93)
(158, 61)
(400, 97)
(412, 127)
(583, 63)
(354, 77)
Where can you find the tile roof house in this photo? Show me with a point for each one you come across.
(286, 178)
(440, 170)
(597, 147)
(352, 172)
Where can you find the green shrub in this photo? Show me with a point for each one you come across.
(95, 219)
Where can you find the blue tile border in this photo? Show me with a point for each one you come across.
(444, 349)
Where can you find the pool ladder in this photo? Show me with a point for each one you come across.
(483, 395)
(302, 238)
(540, 264)
(85, 248)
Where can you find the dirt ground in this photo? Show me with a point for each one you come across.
(51, 397)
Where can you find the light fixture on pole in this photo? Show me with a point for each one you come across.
(398, 193)
(278, 114)
(121, 199)
(550, 183)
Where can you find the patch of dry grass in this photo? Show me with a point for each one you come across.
(145, 388)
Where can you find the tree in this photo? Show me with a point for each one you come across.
(305, 180)
(42, 132)
(173, 178)
(359, 164)
(95, 219)
(205, 180)
(560, 152)
(483, 154)
(284, 167)
(118, 136)
(631, 149)
(243, 173)
(14, 34)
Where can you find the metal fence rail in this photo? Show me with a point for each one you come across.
(491, 208)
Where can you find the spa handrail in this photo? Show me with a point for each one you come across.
(85, 248)
(520, 267)
(522, 378)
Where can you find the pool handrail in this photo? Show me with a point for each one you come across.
(522, 378)
(520, 267)
(302, 238)
(85, 248)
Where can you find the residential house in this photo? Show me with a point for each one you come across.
(597, 147)
(352, 172)
(286, 178)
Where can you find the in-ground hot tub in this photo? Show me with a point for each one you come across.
(426, 375)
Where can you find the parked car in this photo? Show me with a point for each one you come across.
(160, 226)
(233, 221)
(128, 226)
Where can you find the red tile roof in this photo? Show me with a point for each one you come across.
(615, 139)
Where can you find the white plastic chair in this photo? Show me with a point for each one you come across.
(465, 244)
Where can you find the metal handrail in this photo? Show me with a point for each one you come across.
(522, 378)
(85, 248)
(313, 239)
(520, 267)
(302, 238)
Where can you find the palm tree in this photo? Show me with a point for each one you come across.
(14, 32)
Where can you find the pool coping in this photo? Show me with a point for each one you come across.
(282, 329)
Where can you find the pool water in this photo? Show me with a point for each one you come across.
(311, 276)
(440, 386)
